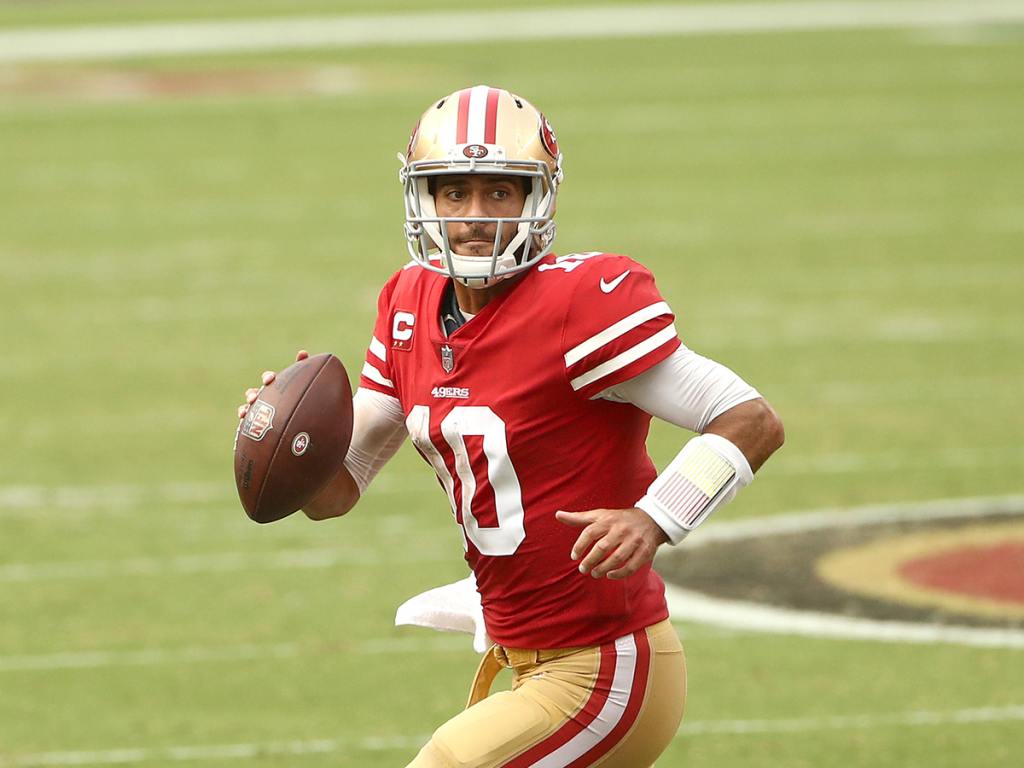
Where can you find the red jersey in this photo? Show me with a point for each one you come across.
(504, 411)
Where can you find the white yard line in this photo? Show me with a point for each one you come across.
(849, 517)
(248, 750)
(42, 662)
(147, 40)
(688, 605)
(27, 500)
(113, 497)
(867, 463)
(148, 657)
(843, 722)
(212, 562)
(128, 755)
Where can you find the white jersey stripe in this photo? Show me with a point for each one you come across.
(477, 114)
(612, 332)
(610, 714)
(651, 343)
(378, 349)
(374, 375)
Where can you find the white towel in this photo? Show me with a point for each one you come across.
(451, 608)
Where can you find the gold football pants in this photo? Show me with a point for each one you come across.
(617, 706)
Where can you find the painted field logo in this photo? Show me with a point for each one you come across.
(948, 570)
(300, 444)
(258, 421)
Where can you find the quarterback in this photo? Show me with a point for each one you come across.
(527, 381)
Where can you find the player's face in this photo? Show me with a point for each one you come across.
(478, 196)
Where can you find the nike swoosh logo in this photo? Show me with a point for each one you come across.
(609, 287)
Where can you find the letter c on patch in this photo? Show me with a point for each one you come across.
(401, 330)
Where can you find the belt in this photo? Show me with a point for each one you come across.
(518, 657)
(499, 657)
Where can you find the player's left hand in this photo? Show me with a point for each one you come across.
(615, 542)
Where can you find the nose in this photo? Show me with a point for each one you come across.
(477, 204)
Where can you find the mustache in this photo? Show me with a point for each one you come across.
(479, 232)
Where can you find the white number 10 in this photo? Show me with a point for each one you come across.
(466, 420)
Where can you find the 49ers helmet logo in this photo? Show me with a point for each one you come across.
(547, 137)
(412, 139)
(476, 151)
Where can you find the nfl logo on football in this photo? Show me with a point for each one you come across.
(447, 358)
(258, 421)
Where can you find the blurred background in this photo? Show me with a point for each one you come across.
(831, 196)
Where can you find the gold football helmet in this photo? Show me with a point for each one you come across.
(487, 131)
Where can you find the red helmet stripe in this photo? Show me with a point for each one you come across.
(491, 123)
(462, 131)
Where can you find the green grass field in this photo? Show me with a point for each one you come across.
(837, 215)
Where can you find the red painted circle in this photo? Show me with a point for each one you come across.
(993, 572)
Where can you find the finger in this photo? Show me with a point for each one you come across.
(267, 377)
(251, 394)
(616, 559)
(631, 566)
(602, 548)
(577, 519)
(641, 556)
(590, 534)
(301, 355)
(242, 410)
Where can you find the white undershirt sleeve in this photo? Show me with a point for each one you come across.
(690, 391)
(684, 389)
(378, 431)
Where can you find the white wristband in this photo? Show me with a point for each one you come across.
(707, 473)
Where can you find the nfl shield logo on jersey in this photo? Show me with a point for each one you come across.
(447, 358)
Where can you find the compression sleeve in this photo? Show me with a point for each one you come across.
(378, 431)
(684, 389)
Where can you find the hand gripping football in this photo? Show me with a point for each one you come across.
(294, 438)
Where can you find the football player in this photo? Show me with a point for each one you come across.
(527, 381)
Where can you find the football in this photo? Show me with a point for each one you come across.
(294, 438)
